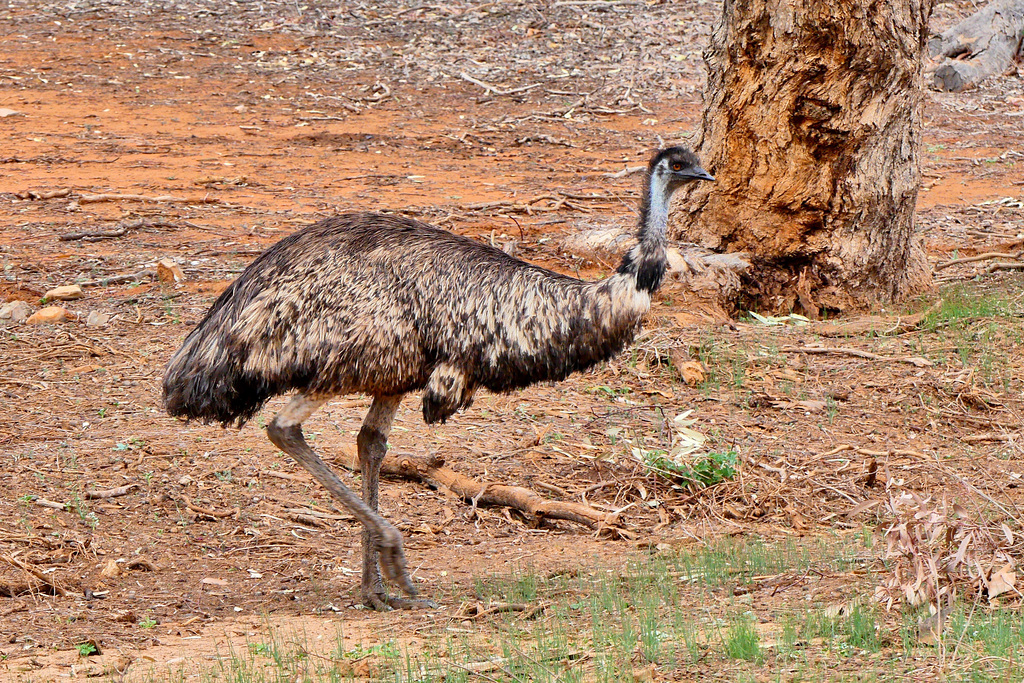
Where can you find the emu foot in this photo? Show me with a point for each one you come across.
(382, 602)
(391, 559)
(384, 555)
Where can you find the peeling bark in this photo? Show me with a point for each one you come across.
(812, 126)
(982, 45)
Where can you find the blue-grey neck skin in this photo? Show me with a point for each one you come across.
(654, 210)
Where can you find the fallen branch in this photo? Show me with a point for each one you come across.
(111, 493)
(915, 360)
(120, 231)
(991, 436)
(1004, 266)
(980, 257)
(497, 91)
(982, 45)
(875, 324)
(95, 198)
(50, 504)
(206, 512)
(629, 170)
(35, 573)
(47, 194)
(119, 279)
(432, 471)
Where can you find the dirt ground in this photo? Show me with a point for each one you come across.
(207, 131)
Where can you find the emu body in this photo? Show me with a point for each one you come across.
(385, 305)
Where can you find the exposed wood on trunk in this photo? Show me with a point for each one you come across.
(432, 470)
(812, 127)
(982, 45)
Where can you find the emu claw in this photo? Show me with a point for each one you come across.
(382, 602)
(392, 560)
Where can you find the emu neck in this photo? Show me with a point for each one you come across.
(654, 208)
(646, 261)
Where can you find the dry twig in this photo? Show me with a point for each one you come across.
(111, 493)
(113, 197)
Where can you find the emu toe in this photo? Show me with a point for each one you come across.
(382, 602)
(387, 557)
(392, 565)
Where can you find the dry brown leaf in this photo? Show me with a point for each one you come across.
(1002, 581)
(796, 520)
(862, 506)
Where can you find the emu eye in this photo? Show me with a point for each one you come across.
(676, 166)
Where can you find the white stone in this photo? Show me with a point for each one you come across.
(97, 319)
(17, 311)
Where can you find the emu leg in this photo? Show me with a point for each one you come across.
(372, 444)
(285, 431)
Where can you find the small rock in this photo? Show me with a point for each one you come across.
(110, 569)
(168, 271)
(97, 319)
(50, 314)
(17, 311)
(65, 293)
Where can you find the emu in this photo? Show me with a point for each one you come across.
(384, 305)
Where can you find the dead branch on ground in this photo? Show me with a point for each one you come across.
(1001, 265)
(121, 230)
(163, 199)
(982, 45)
(34, 573)
(111, 493)
(916, 361)
(119, 279)
(980, 257)
(43, 194)
(432, 470)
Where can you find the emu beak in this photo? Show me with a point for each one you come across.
(698, 173)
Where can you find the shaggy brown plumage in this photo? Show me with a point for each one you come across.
(384, 305)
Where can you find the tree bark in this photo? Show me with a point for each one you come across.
(982, 45)
(812, 126)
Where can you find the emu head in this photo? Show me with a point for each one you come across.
(673, 167)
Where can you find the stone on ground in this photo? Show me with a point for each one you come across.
(50, 314)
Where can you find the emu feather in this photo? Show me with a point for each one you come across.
(384, 305)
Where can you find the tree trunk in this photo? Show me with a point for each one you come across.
(812, 126)
(982, 45)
